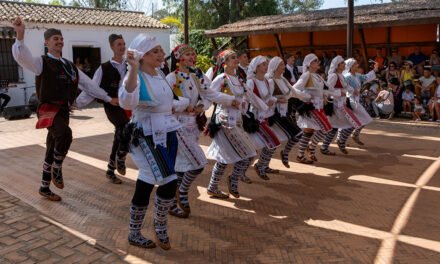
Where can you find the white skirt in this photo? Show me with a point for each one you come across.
(223, 151)
(360, 112)
(190, 155)
(307, 122)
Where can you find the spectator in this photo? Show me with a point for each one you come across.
(359, 58)
(425, 86)
(395, 57)
(87, 68)
(407, 98)
(291, 71)
(418, 59)
(215, 60)
(407, 73)
(384, 103)
(380, 59)
(435, 58)
(243, 63)
(419, 110)
(395, 86)
(299, 58)
(434, 105)
(326, 61)
(6, 98)
(392, 72)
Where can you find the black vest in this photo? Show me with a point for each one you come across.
(57, 81)
(110, 79)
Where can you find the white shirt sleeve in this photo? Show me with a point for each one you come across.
(24, 57)
(298, 88)
(97, 77)
(90, 87)
(209, 73)
(127, 100)
(181, 104)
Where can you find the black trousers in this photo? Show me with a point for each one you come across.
(6, 98)
(117, 116)
(143, 191)
(59, 136)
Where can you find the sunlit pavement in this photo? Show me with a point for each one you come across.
(379, 204)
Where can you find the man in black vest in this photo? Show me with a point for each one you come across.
(57, 81)
(109, 76)
(291, 72)
(243, 64)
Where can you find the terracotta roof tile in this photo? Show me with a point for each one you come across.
(77, 15)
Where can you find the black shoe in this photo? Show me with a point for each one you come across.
(46, 192)
(110, 174)
(57, 177)
(120, 165)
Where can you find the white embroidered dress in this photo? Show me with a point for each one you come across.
(338, 119)
(355, 82)
(151, 116)
(190, 155)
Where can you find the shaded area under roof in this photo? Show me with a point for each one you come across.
(380, 15)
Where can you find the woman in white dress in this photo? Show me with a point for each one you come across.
(355, 81)
(285, 128)
(190, 159)
(312, 116)
(341, 117)
(230, 144)
(153, 145)
(264, 138)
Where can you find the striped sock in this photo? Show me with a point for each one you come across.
(317, 137)
(216, 176)
(303, 142)
(265, 157)
(329, 138)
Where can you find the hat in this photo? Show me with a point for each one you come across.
(181, 49)
(394, 81)
(409, 62)
(335, 63)
(254, 64)
(51, 32)
(142, 44)
(308, 60)
(273, 65)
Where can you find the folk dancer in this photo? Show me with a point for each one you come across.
(57, 82)
(190, 157)
(284, 127)
(312, 116)
(153, 146)
(355, 80)
(109, 76)
(230, 144)
(264, 138)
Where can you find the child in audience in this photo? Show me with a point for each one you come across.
(419, 110)
(407, 98)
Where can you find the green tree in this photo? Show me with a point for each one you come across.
(108, 4)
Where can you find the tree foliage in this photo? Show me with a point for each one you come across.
(208, 14)
(108, 4)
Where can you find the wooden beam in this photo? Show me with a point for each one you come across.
(388, 49)
(241, 43)
(363, 47)
(279, 47)
(214, 43)
(311, 39)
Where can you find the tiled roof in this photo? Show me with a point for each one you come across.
(40, 13)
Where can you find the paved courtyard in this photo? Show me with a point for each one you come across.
(380, 204)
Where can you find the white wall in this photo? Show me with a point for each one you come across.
(78, 35)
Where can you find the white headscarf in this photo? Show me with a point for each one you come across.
(335, 63)
(274, 63)
(348, 65)
(308, 60)
(142, 44)
(253, 66)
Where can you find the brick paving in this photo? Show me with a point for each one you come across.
(339, 211)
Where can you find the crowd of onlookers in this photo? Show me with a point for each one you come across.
(413, 82)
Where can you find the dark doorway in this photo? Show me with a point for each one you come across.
(87, 59)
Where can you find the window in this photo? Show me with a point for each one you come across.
(8, 66)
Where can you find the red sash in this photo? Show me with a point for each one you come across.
(322, 120)
(46, 114)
